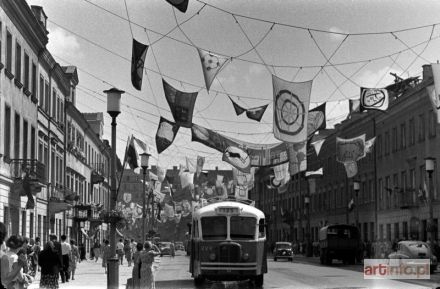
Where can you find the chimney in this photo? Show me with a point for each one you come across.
(40, 15)
(427, 72)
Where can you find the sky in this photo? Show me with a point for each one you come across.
(342, 45)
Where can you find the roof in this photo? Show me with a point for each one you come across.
(283, 243)
(209, 209)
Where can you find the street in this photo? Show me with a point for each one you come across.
(302, 273)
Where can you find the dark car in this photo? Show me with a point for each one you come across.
(283, 250)
(179, 246)
(165, 248)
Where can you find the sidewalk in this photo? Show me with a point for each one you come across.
(90, 274)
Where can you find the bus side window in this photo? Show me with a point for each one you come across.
(261, 227)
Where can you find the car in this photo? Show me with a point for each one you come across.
(283, 250)
(179, 246)
(415, 250)
(155, 249)
(165, 248)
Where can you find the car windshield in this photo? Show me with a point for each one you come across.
(283, 246)
(418, 245)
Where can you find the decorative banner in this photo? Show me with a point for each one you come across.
(219, 181)
(291, 104)
(200, 163)
(256, 113)
(435, 101)
(317, 145)
(238, 158)
(161, 174)
(181, 5)
(434, 91)
(374, 99)
(261, 155)
(238, 109)
(181, 104)
(211, 65)
(350, 150)
(317, 173)
(297, 157)
(351, 169)
(243, 179)
(241, 192)
(190, 165)
(166, 133)
(186, 179)
(127, 197)
(354, 105)
(132, 154)
(282, 173)
(137, 63)
(316, 119)
(369, 145)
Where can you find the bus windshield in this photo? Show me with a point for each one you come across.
(243, 228)
(343, 233)
(214, 228)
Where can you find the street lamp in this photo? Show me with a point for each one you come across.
(356, 188)
(144, 164)
(113, 109)
(429, 167)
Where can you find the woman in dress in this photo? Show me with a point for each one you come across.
(74, 258)
(145, 262)
(135, 275)
(50, 267)
(128, 253)
(7, 272)
(105, 254)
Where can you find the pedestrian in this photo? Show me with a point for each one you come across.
(57, 249)
(96, 250)
(66, 250)
(36, 251)
(50, 266)
(74, 258)
(12, 265)
(82, 251)
(120, 250)
(145, 262)
(136, 273)
(172, 249)
(127, 252)
(105, 252)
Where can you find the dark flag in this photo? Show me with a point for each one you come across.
(181, 5)
(256, 113)
(181, 104)
(132, 154)
(137, 63)
(238, 109)
(316, 119)
(166, 132)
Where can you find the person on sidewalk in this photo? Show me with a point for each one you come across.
(120, 251)
(50, 267)
(96, 250)
(66, 250)
(37, 250)
(145, 262)
(74, 258)
(136, 273)
(127, 252)
(11, 264)
(172, 249)
(105, 254)
(57, 249)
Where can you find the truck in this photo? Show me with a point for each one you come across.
(340, 242)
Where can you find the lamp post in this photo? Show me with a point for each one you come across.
(113, 109)
(356, 188)
(429, 167)
(144, 164)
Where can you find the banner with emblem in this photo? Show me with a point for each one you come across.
(374, 99)
(291, 105)
(212, 64)
(244, 179)
(238, 158)
(200, 163)
(181, 104)
(350, 150)
(434, 90)
(351, 169)
(297, 157)
(316, 119)
(166, 133)
(138, 55)
(127, 197)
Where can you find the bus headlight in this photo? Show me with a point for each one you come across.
(245, 256)
(212, 256)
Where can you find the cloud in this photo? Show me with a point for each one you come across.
(379, 78)
(256, 69)
(63, 44)
(337, 37)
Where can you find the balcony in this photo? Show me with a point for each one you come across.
(81, 212)
(406, 201)
(57, 192)
(28, 174)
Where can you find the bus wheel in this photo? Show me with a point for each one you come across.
(259, 280)
(198, 280)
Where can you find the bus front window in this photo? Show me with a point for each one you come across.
(243, 228)
(214, 228)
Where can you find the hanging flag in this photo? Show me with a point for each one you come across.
(291, 105)
(137, 63)
(200, 163)
(350, 150)
(256, 113)
(297, 157)
(241, 192)
(181, 5)
(317, 145)
(317, 173)
(434, 91)
(219, 181)
(190, 165)
(212, 64)
(374, 98)
(132, 154)
(238, 158)
(435, 101)
(316, 119)
(351, 169)
(181, 104)
(243, 179)
(238, 109)
(282, 173)
(369, 145)
(354, 105)
(165, 135)
(351, 205)
(161, 174)
(186, 179)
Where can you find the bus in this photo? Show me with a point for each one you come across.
(340, 242)
(228, 242)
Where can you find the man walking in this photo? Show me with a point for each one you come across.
(65, 250)
(57, 249)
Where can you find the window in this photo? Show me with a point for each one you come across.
(7, 140)
(412, 132)
(1, 38)
(34, 79)
(432, 123)
(387, 143)
(58, 114)
(394, 139)
(31, 225)
(403, 135)
(387, 192)
(381, 231)
(9, 51)
(41, 100)
(26, 70)
(23, 223)
(395, 190)
(61, 112)
(17, 61)
(405, 230)
(379, 145)
(17, 136)
(25, 139)
(403, 182)
(33, 143)
(54, 104)
(412, 183)
(46, 97)
(421, 127)
(371, 192)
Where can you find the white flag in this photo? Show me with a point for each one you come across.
(317, 145)
(211, 65)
